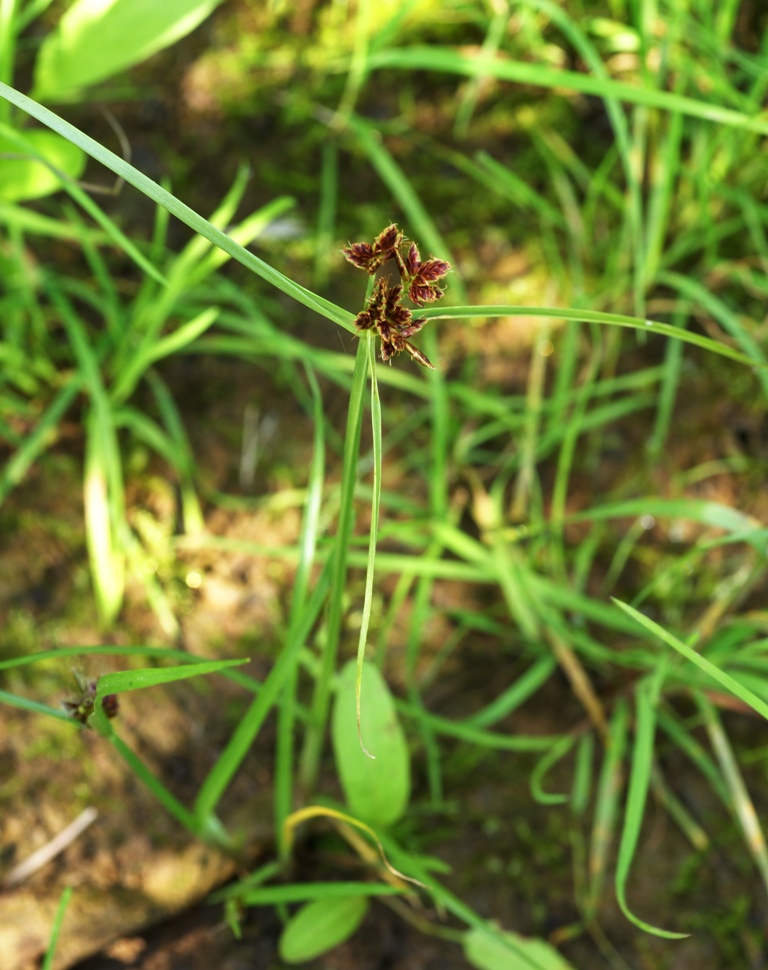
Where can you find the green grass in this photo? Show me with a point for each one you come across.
(640, 207)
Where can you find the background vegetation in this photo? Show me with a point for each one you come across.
(551, 548)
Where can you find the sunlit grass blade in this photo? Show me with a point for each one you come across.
(172, 343)
(157, 598)
(665, 169)
(103, 485)
(315, 736)
(375, 505)
(718, 675)
(595, 316)
(177, 208)
(156, 653)
(285, 768)
(239, 744)
(709, 513)
(127, 680)
(450, 61)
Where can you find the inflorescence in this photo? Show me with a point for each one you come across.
(384, 311)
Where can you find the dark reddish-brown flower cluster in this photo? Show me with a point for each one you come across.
(82, 707)
(384, 311)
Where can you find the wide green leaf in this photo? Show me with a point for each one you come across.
(488, 952)
(321, 925)
(376, 789)
(96, 39)
(28, 178)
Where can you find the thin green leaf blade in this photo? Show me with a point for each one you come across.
(64, 901)
(304, 892)
(722, 678)
(34, 707)
(450, 60)
(591, 316)
(178, 209)
(639, 781)
(125, 680)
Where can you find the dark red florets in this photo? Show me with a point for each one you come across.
(384, 311)
(369, 256)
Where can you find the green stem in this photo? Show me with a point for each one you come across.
(313, 743)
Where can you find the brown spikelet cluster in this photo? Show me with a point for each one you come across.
(384, 312)
(81, 707)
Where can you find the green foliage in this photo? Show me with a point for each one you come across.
(321, 925)
(23, 177)
(633, 195)
(377, 789)
(66, 897)
(514, 952)
(94, 41)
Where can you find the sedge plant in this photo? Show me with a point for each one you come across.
(572, 612)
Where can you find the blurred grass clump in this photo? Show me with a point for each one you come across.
(566, 560)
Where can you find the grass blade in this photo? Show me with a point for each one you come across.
(127, 680)
(369, 573)
(722, 678)
(313, 742)
(239, 744)
(639, 780)
(177, 208)
(595, 316)
(50, 953)
(450, 61)
(741, 801)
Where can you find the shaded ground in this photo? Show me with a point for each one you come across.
(510, 860)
